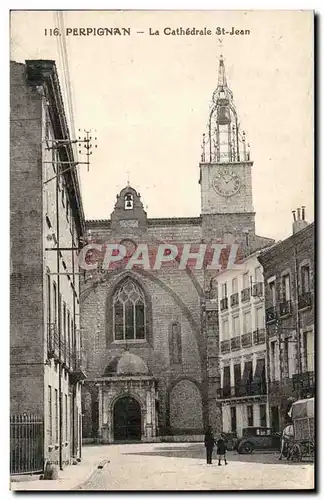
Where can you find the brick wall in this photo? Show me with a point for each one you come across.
(33, 228)
(285, 258)
(26, 292)
(173, 298)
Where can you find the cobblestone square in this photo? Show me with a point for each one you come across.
(168, 466)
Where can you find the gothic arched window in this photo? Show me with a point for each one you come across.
(129, 312)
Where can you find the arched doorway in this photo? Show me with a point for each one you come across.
(127, 420)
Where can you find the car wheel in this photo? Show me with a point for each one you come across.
(246, 448)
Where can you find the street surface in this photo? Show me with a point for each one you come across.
(182, 466)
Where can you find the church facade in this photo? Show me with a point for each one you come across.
(151, 334)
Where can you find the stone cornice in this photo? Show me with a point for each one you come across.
(44, 73)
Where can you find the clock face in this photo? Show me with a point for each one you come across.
(226, 183)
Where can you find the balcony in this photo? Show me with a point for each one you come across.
(224, 304)
(257, 289)
(271, 314)
(245, 294)
(60, 351)
(305, 300)
(246, 339)
(236, 343)
(52, 341)
(259, 336)
(225, 346)
(79, 366)
(225, 392)
(253, 389)
(285, 308)
(234, 299)
(228, 392)
(304, 382)
(242, 390)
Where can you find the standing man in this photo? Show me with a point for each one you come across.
(209, 444)
(221, 449)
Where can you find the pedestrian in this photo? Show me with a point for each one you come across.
(221, 449)
(286, 441)
(209, 444)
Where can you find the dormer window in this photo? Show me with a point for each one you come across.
(129, 203)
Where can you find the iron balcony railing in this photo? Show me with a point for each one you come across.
(243, 341)
(225, 346)
(79, 366)
(242, 390)
(63, 352)
(224, 304)
(245, 294)
(285, 307)
(271, 314)
(259, 336)
(246, 339)
(304, 381)
(234, 299)
(257, 289)
(236, 343)
(305, 300)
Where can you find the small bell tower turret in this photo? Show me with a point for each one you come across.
(129, 213)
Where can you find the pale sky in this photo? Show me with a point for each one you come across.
(148, 98)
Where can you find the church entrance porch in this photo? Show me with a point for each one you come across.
(127, 409)
(127, 419)
(126, 398)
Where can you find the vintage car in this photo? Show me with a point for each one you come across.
(258, 438)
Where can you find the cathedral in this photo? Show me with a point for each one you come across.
(151, 335)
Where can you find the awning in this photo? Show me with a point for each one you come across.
(259, 373)
(247, 373)
(302, 409)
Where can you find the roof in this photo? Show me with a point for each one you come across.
(159, 221)
(286, 244)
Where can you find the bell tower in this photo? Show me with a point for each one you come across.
(129, 214)
(225, 169)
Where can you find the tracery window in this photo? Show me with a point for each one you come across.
(129, 312)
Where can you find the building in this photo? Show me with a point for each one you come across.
(243, 360)
(47, 223)
(152, 334)
(289, 276)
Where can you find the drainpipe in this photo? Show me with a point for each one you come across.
(73, 350)
(298, 325)
(268, 382)
(59, 312)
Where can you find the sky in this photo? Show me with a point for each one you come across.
(147, 98)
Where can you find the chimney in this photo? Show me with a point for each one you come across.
(299, 222)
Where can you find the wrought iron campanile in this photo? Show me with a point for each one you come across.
(224, 142)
